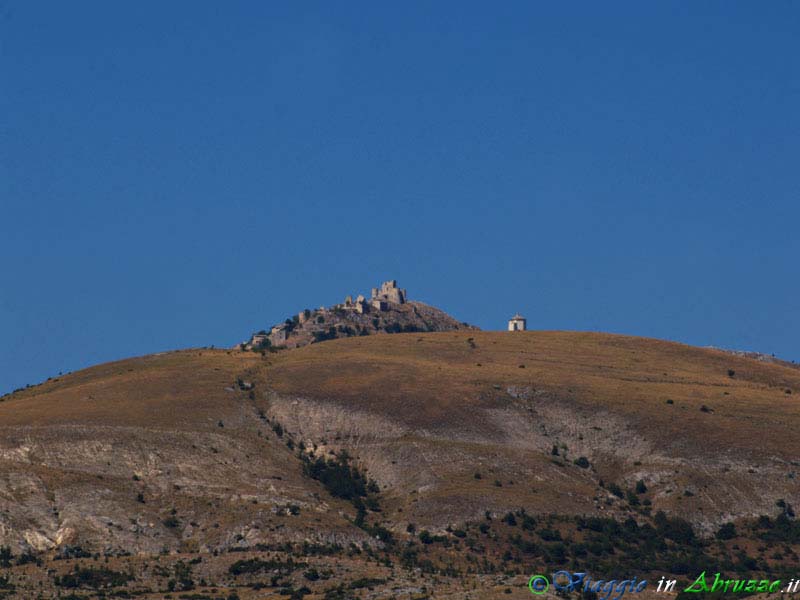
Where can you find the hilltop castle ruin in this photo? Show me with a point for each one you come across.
(380, 299)
(387, 310)
(389, 292)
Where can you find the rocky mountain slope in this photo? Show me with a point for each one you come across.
(202, 452)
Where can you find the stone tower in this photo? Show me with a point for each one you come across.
(389, 292)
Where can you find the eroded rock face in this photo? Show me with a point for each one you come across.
(514, 445)
(154, 455)
(144, 491)
(37, 541)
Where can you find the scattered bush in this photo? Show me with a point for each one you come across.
(256, 565)
(171, 522)
(616, 490)
(582, 462)
(726, 532)
(337, 475)
(510, 520)
(95, 578)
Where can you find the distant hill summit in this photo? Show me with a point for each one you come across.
(760, 356)
(387, 310)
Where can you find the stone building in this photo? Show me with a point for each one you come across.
(277, 335)
(389, 292)
(360, 305)
(517, 323)
(259, 339)
(379, 300)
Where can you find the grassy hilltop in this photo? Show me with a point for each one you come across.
(439, 463)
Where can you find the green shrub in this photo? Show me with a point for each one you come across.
(5, 557)
(726, 532)
(365, 582)
(550, 535)
(171, 522)
(93, 578)
(338, 476)
(674, 528)
(616, 490)
(256, 565)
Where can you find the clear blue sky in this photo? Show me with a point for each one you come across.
(178, 174)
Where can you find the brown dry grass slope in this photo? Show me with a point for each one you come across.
(427, 412)
(168, 452)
